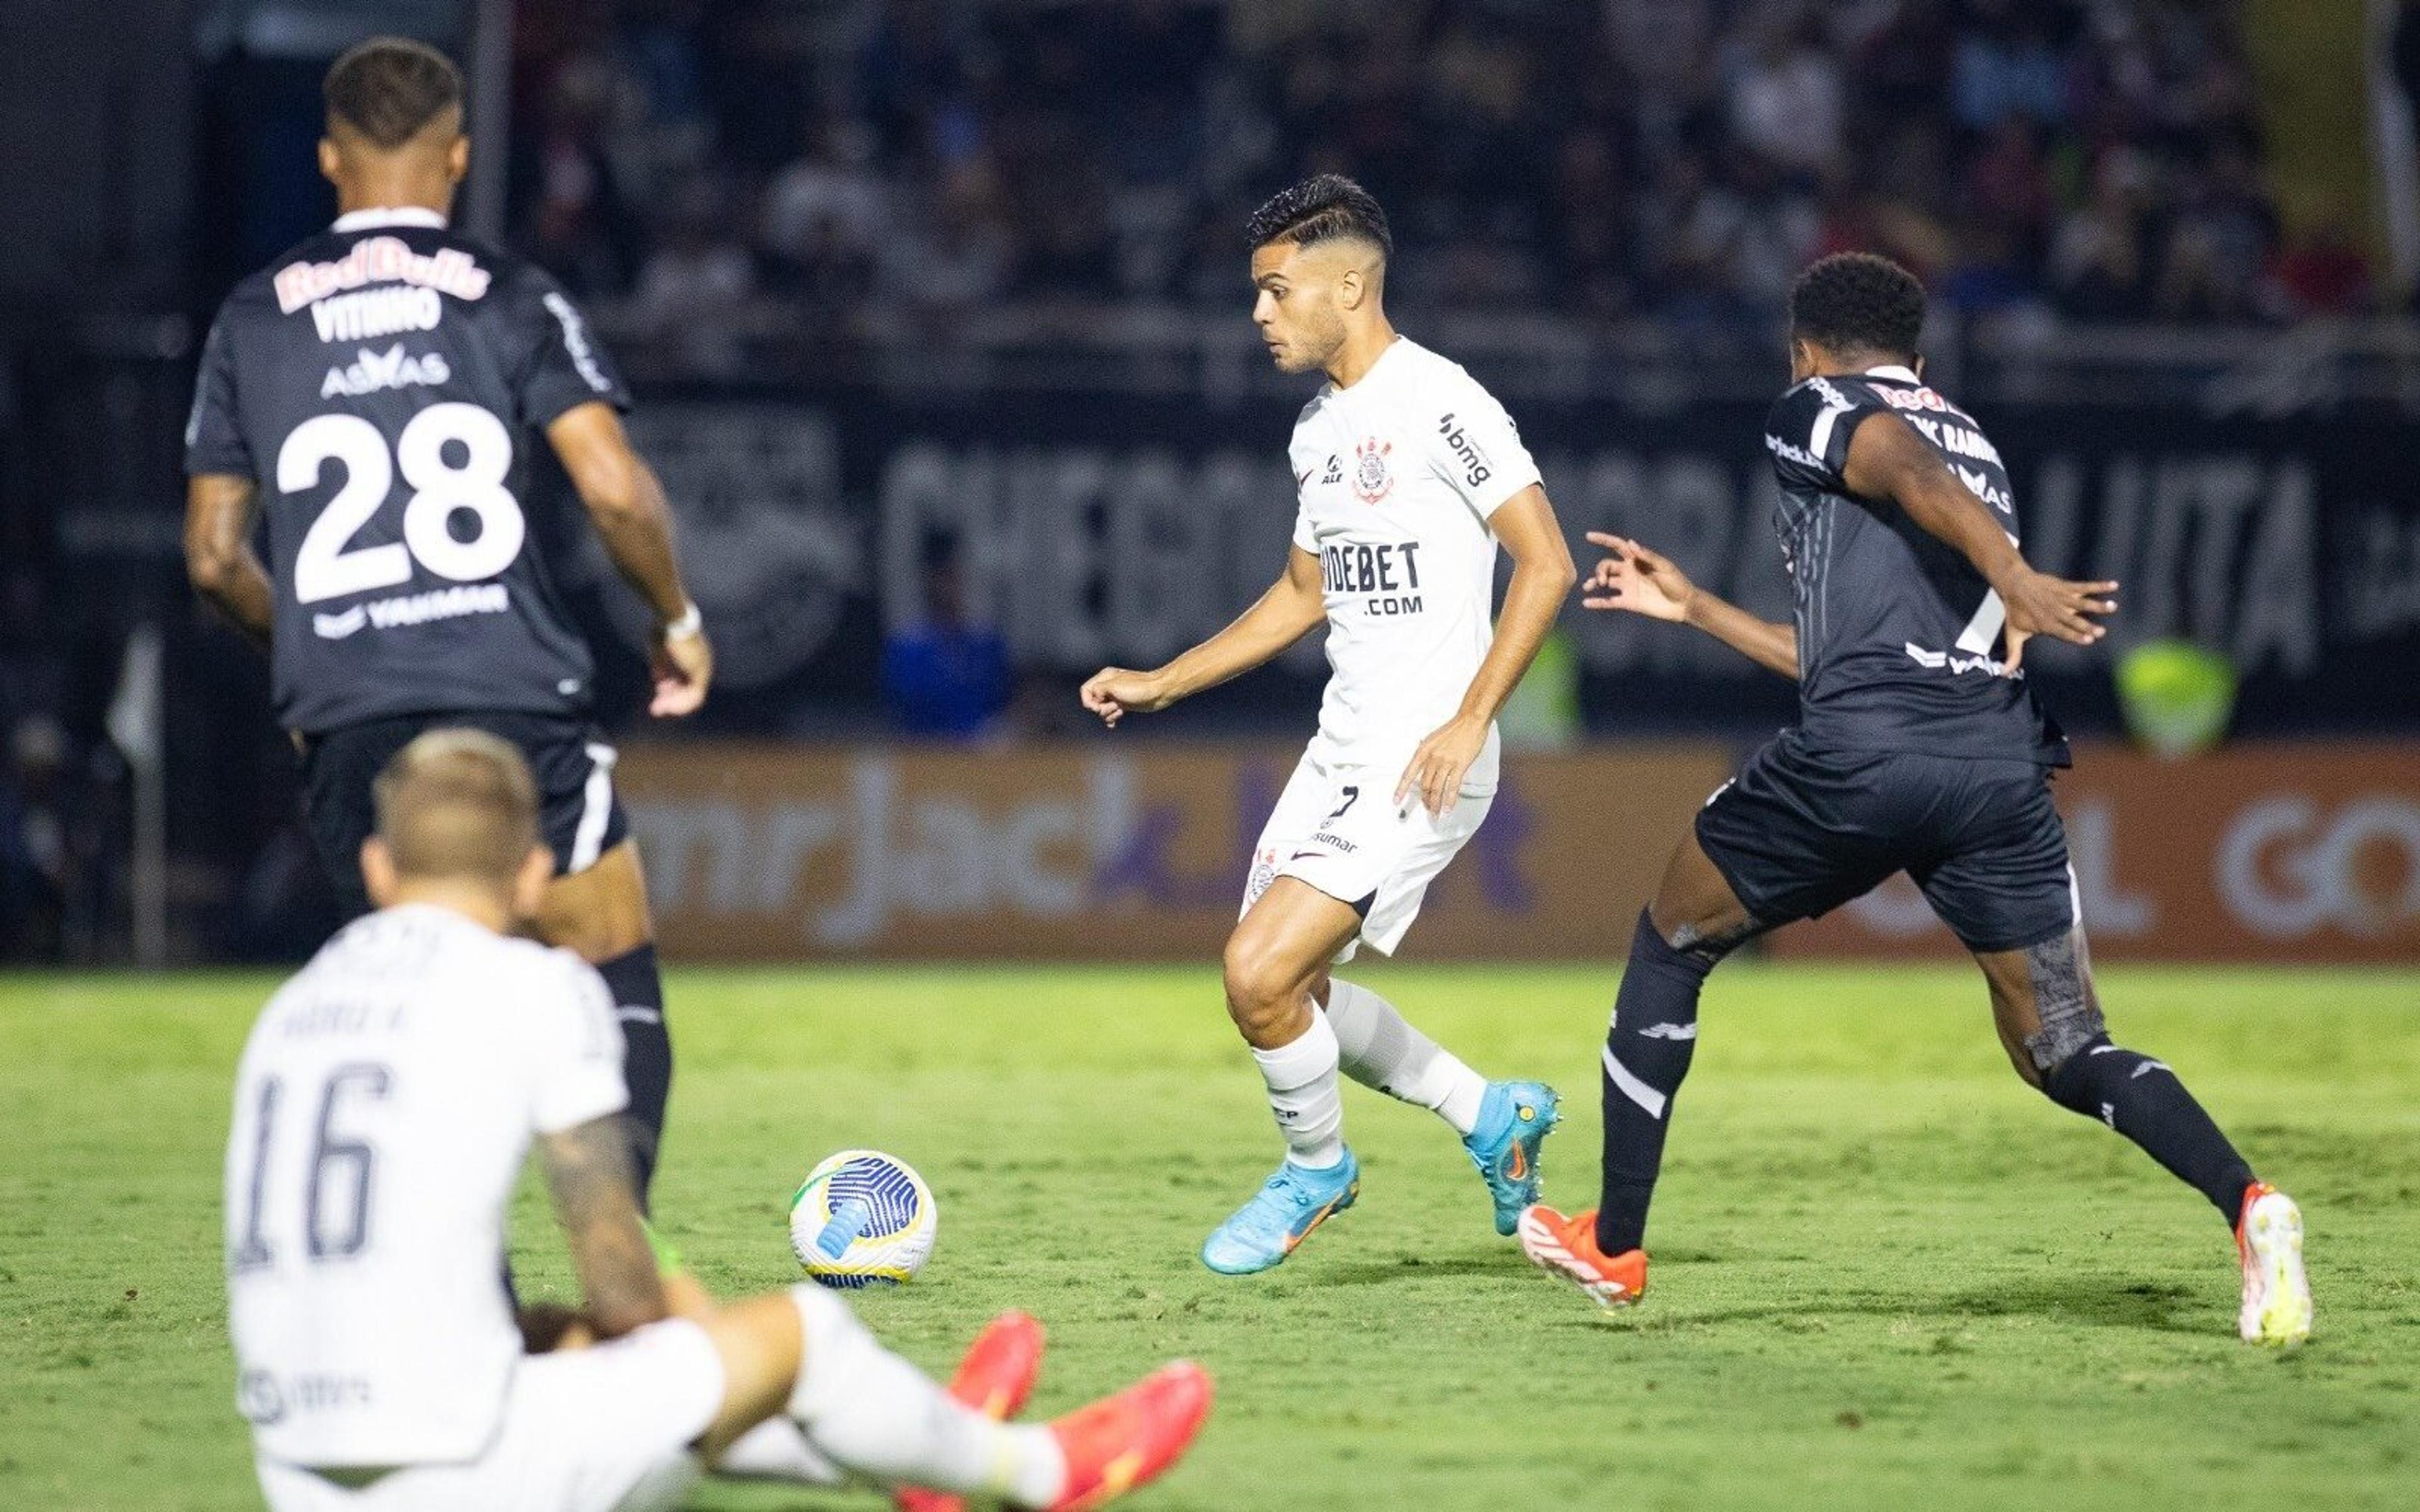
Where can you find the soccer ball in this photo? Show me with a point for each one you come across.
(862, 1219)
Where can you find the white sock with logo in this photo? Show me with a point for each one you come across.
(874, 1414)
(1303, 1094)
(1378, 1047)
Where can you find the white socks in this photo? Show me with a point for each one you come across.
(873, 1413)
(1301, 1077)
(777, 1449)
(1379, 1049)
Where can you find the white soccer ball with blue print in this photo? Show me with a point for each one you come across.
(863, 1218)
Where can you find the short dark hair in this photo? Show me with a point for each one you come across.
(1858, 301)
(389, 87)
(1322, 208)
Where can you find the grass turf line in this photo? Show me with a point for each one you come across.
(1886, 1274)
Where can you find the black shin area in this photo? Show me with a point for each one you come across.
(2141, 1099)
(646, 1054)
(1646, 1051)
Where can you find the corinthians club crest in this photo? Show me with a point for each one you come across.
(1371, 479)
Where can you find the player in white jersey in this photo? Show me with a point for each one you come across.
(1408, 475)
(385, 1101)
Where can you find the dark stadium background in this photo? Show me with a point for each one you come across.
(942, 301)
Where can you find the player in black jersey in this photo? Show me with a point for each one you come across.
(377, 394)
(1920, 748)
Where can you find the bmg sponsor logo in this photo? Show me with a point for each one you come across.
(1474, 463)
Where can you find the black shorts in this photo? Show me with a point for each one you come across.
(580, 816)
(1798, 833)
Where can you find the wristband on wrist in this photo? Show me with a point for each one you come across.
(690, 623)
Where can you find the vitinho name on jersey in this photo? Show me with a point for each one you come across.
(415, 609)
(395, 368)
(381, 260)
(379, 311)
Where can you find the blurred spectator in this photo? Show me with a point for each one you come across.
(1676, 156)
(2100, 267)
(1785, 99)
(2323, 271)
(575, 220)
(693, 284)
(953, 252)
(33, 841)
(2220, 245)
(2003, 65)
(945, 678)
(827, 213)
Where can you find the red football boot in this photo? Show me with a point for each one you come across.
(995, 1378)
(1129, 1440)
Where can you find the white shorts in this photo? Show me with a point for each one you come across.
(602, 1429)
(1338, 829)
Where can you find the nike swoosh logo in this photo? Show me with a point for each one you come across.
(1302, 477)
(1520, 1165)
(1293, 1241)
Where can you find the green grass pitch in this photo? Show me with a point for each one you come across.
(1886, 1274)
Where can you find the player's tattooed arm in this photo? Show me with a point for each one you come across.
(596, 1198)
(219, 560)
(1633, 577)
(1293, 606)
(1541, 575)
(626, 503)
(1888, 459)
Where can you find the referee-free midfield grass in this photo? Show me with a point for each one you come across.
(1886, 1274)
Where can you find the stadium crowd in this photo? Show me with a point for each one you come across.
(908, 160)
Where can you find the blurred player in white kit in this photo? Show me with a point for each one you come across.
(1408, 474)
(385, 1101)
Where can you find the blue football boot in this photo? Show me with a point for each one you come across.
(1514, 1121)
(1263, 1231)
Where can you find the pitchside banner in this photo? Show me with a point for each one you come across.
(1121, 530)
(2263, 852)
(1117, 849)
(1108, 849)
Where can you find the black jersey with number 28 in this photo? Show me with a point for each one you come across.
(1899, 645)
(386, 384)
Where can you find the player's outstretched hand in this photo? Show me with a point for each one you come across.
(1633, 577)
(1114, 692)
(1435, 770)
(2040, 604)
(683, 666)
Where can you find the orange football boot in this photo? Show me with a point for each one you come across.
(1567, 1248)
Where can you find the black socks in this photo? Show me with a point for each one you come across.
(2143, 1099)
(646, 1054)
(1647, 1053)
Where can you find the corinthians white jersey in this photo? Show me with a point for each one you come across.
(1397, 477)
(383, 1106)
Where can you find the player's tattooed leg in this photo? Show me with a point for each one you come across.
(2067, 1016)
(2049, 1016)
